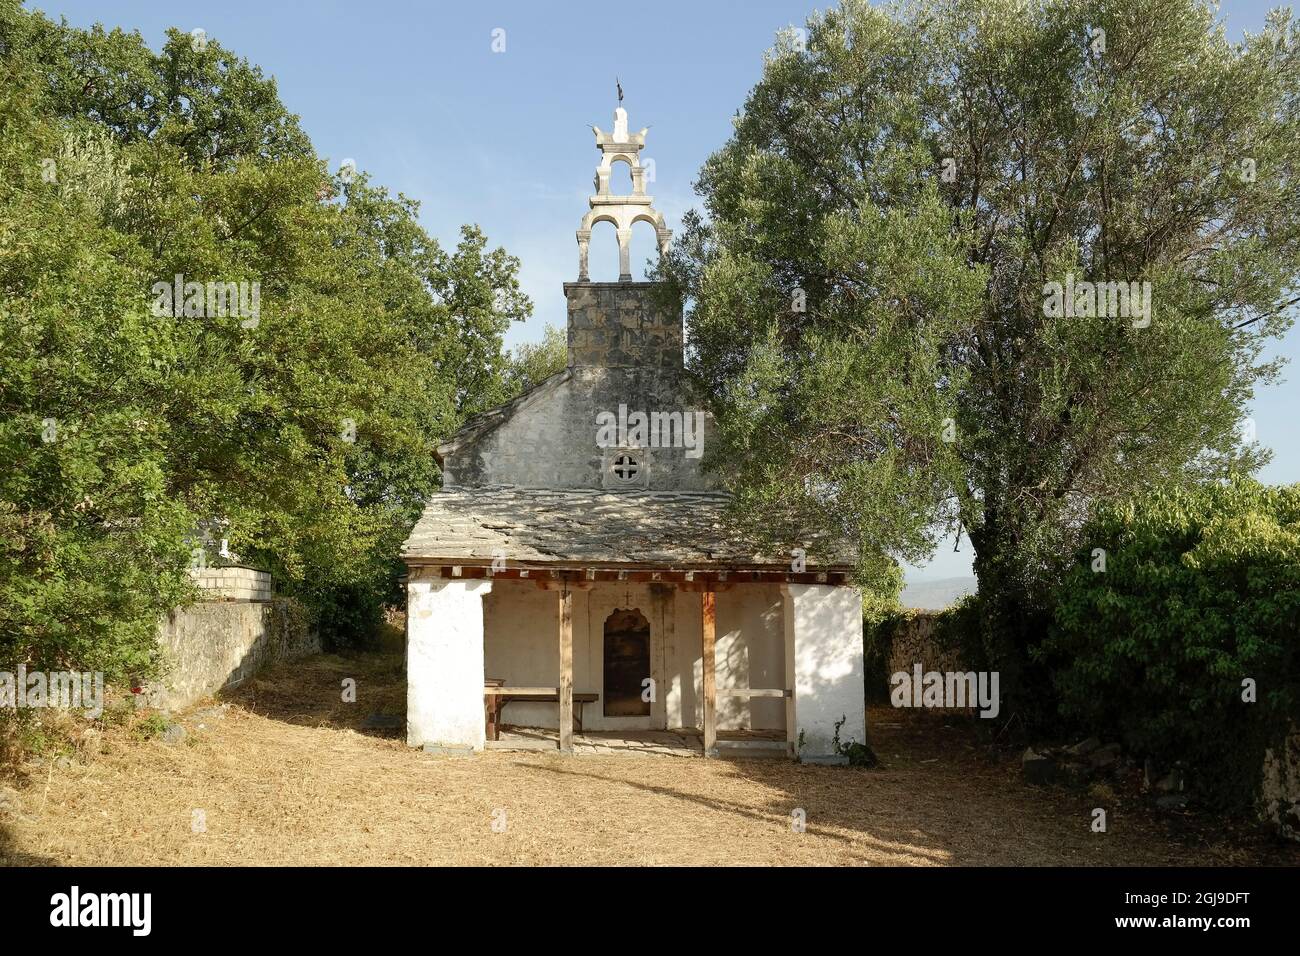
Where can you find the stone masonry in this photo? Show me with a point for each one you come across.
(222, 640)
(622, 325)
(234, 584)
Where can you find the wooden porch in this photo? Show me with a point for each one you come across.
(564, 583)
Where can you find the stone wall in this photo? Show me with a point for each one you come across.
(613, 324)
(625, 359)
(216, 644)
(914, 642)
(234, 584)
(1280, 793)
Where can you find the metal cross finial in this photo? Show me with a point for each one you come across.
(620, 90)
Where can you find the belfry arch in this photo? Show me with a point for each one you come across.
(621, 210)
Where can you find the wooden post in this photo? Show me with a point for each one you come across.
(708, 617)
(787, 641)
(566, 671)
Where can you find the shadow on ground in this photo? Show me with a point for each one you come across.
(363, 691)
(937, 797)
(11, 854)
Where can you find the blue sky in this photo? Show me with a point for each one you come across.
(415, 95)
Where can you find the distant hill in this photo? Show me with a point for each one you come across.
(937, 594)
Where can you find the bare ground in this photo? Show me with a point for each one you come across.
(286, 775)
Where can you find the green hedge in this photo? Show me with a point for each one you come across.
(877, 639)
(1200, 591)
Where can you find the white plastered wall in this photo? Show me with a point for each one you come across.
(825, 657)
(749, 647)
(522, 647)
(444, 660)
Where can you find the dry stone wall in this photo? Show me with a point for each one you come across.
(225, 639)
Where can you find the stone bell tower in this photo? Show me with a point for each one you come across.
(625, 342)
(622, 211)
(621, 324)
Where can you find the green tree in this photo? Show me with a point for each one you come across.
(91, 543)
(308, 429)
(531, 363)
(1176, 631)
(921, 173)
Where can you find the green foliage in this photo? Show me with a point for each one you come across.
(310, 432)
(532, 363)
(877, 642)
(881, 599)
(1201, 590)
(149, 727)
(857, 752)
(924, 292)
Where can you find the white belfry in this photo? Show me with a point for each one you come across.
(622, 211)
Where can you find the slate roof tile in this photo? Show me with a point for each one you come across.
(676, 529)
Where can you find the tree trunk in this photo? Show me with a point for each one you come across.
(1010, 621)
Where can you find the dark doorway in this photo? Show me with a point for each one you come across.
(627, 663)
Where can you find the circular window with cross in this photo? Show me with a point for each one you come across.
(625, 467)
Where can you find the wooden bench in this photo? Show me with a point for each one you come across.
(496, 695)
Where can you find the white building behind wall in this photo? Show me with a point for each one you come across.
(555, 562)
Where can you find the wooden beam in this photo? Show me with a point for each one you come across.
(566, 671)
(708, 617)
(520, 691)
(686, 580)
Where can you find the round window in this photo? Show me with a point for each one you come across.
(626, 468)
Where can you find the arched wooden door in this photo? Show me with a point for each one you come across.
(627, 663)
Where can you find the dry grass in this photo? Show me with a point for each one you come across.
(284, 777)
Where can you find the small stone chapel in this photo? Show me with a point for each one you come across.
(576, 572)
